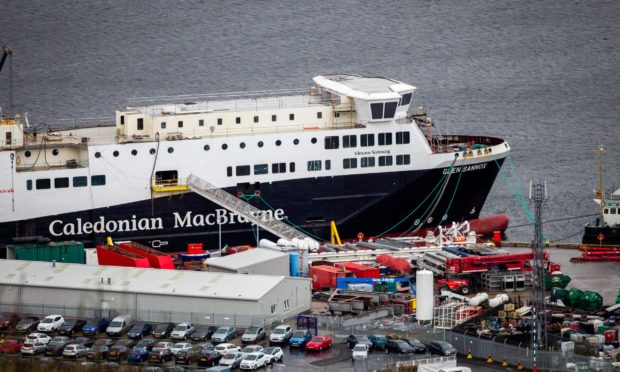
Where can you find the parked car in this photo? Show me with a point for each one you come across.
(180, 346)
(147, 343)
(275, 354)
(94, 325)
(251, 349)
(162, 345)
(203, 333)
(224, 334)
(120, 349)
(232, 360)
(418, 347)
(398, 347)
(56, 345)
(119, 325)
(378, 341)
(8, 320)
(27, 324)
(360, 351)
(253, 334)
(319, 343)
(353, 340)
(30, 348)
(98, 352)
(71, 326)
(163, 330)
(225, 348)
(208, 358)
(74, 351)
(38, 337)
(254, 361)
(85, 341)
(104, 342)
(50, 323)
(139, 330)
(11, 345)
(281, 334)
(141, 351)
(300, 338)
(160, 355)
(441, 348)
(182, 331)
(186, 356)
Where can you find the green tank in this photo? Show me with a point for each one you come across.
(590, 301)
(573, 297)
(559, 294)
(559, 281)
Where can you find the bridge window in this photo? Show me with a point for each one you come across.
(242, 170)
(261, 168)
(80, 181)
(314, 165)
(97, 180)
(402, 138)
(349, 163)
(278, 167)
(367, 140)
(381, 110)
(349, 141)
(122, 119)
(405, 99)
(332, 142)
(61, 183)
(377, 110)
(43, 184)
(367, 162)
(385, 161)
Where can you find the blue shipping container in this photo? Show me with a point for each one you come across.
(295, 263)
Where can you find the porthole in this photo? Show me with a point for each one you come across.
(296, 141)
(260, 143)
(134, 152)
(207, 147)
(55, 152)
(115, 153)
(313, 140)
(242, 145)
(170, 150)
(97, 155)
(152, 151)
(27, 154)
(224, 146)
(278, 143)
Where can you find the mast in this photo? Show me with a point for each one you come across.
(600, 151)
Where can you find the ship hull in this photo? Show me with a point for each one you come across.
(370, 204)
(610, 235)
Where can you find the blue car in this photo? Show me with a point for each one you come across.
(378, 341)
(300, 338)
(95, 325)
(140, 352)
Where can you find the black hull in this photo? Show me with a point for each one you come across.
(372, 204)
(610, 235)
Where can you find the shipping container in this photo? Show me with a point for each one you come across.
(69, 252)
(325, 276)
(359, 270)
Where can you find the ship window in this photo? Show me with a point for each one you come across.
(97, 180)
(274, 117)
(224, 146)
(115, 153)
(256, 119)
(163, 125)
(180, 124)
(43, 183)
(349, 163)
(291, 167)
(332, 142)
(319, 115)
(349, 141)
(134, 152)
(336, 114)
(201, 123)
(405, 99)
(80, 181)
(260, 143)
(314, 165)
(140, 123)
(403, 159)
(612, 210)
(402, 138)
(385, 139)
(296, 141)
(242, 145)
(219, 121)
(27, 154)
(229, 171)
(151, 151)
(367, 140)
(390, 110)
(367, 162)
(122, 119)
(377, 110)
(606, 211)
(278, 167)
(328, 164)
(291, 116)
(61, 183)
(238, 120)
(313, 140)
(385, 161)
(243, 170)
(261, 168)
(278, 143)
(207, 147)
(55, 152)
(170, 150)
(29, 185)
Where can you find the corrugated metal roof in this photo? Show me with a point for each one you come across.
(138, 280)
(244, 259)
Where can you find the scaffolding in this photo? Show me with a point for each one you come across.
(450, 315)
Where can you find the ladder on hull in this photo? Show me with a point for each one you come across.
(243, 209)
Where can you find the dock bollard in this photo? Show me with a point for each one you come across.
(489, 359)
(469, 356)
(519, 365)
(504, 363)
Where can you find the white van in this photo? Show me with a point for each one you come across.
(119, 325)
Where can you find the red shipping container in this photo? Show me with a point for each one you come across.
(324, 276)
(359, 270)
(610, 335)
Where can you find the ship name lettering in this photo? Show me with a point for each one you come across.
(222, 217)
(59, 228)
(466, 168)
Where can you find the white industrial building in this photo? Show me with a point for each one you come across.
(149, 294)
(253, 261)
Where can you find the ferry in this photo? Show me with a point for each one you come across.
(354, 150)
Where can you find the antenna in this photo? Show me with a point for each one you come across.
(600, 152)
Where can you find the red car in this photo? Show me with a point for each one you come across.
(8, 320)
(319, 343)
(11, 345)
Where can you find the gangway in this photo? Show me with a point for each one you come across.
(243, 209)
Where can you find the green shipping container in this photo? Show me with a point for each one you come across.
(69, 252)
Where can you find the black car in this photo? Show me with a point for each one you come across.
(139, 330)
(120, 349)
(27, 324)
(208, 358)
(163, 330)
(203, 333)
(398, 347)
(56, 345)
(442, 348)
(418, 347)
(160, 356)
(84, 341)
(147, 344)
(71, 326)
(186, 356)
(353, 340)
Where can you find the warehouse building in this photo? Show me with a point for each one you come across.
(254, 261)
(30, 287)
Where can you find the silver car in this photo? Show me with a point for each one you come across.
(253, 334)
(74, 351)
(224, 334)
(32, 348)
